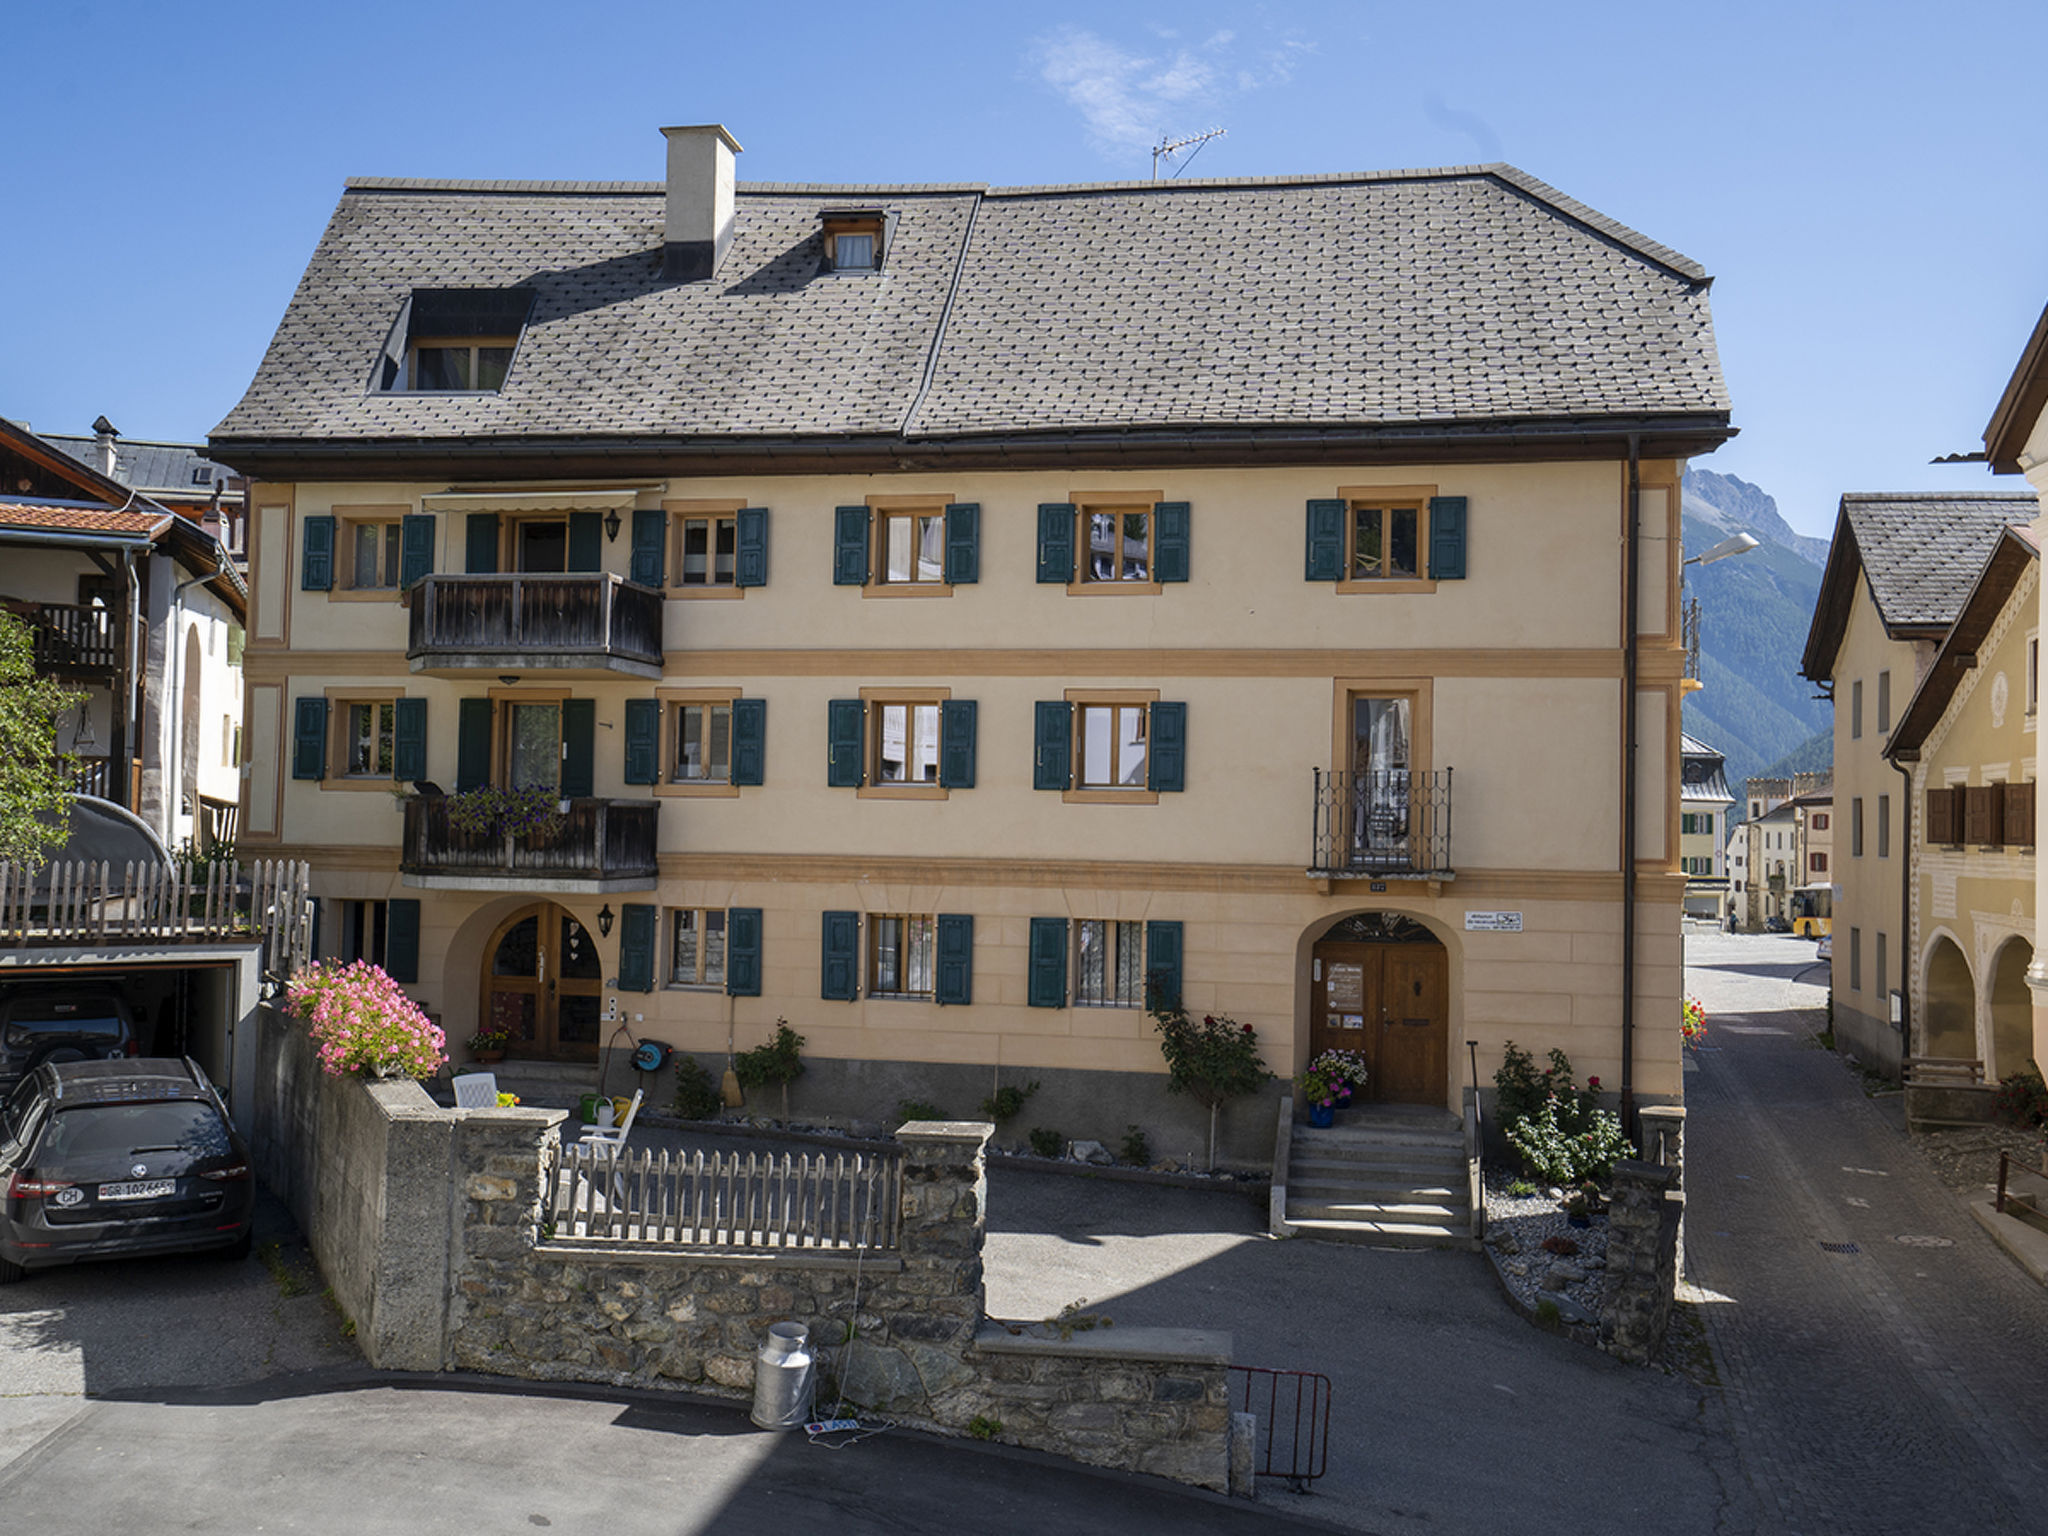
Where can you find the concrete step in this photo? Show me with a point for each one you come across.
(1421, 1213)
(1380, 1134)
(1422, 1160)
(1384, 1234)
(1376, 1189)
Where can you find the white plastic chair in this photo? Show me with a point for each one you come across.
(476, 1090)
(614, 1136)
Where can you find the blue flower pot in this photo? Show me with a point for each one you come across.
(1322, 1115)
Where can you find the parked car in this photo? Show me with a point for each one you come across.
(1825, 950)
(113, 1159)
(88, 1021)
(1777, 925)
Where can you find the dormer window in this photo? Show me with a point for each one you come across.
(453, 341)
(854, 238)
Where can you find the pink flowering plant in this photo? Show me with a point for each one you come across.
(363, 1022)
(1332, 1078)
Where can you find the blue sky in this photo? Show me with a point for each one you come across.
(1858, 178)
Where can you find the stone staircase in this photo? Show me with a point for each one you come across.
(1389, 1174)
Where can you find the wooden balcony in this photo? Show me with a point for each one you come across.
(72, 640)
(1380, 826)
(600, 845)
(566, 626)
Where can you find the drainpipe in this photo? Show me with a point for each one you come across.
(1631, 605)
(126, 795)
(1905, 915)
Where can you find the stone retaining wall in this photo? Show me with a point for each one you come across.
(1642, 1260)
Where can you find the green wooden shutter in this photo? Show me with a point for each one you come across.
(402, 939)
(316, 555)
(415, 547)
(636, 947)
(850, 546)
(844, 759)
(1170, 526)
(1053, 767)
(1326, 540)
(955, 981)
(472, 744)
(480, 544)
(650, 546)
(749, 741)
(586, 541)
(643, 741)
(409, 741)
(963, 543)
(1048, 974)
(1447, 538)
(1166, 757)
(309, 738)
(743, 952)
(579, 748)
(839, 969)
(1056, 541)
(1162, 965)
(750, 560)
(956, 743)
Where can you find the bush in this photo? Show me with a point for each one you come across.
(918, 1109)
(2022, 1099)
(364, 1022)
(1213, 1061)
(1136, 1149)
(777, 1063)
(1047, 1143)
(1519, 1089)
(1004, 1103)
(697, 1095)
(1568, 1140)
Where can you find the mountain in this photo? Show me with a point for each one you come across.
(1754, 613)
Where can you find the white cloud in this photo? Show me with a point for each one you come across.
(1128, 99)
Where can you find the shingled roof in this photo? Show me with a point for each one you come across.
(1921, 551)
(1424, 305)
(2013, 552)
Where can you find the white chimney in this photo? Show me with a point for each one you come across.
(103, 437)
(698, 228)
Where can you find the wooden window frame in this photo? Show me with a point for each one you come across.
(712, 512)
(1089, 503)
(871, 959)
(871, 743)
(703, 914)
(1080, 699)
(1384, 498)
(346, 521)
(415, 345)
(872, 227)
(502, 701)
(880, 510)
(338, 701)
(673, 701)
(1112, 930)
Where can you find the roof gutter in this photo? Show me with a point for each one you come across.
(76, 540)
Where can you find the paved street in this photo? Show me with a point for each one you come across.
(1883, 1360)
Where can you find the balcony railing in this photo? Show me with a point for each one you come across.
(1372, 825)
(603, 843)
(532, 622)
(71, 639)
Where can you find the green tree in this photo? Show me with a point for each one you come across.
(1212, 1061)
(35, 792)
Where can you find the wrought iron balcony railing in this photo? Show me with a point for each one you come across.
(1371, 825)
(553, 622)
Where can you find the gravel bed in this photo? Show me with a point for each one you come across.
(1966, 1159)
(1516, 1227)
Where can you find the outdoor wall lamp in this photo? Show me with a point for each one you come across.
(611, 526)
(508, 678)
(604, 921)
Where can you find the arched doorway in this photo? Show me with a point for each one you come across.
(1949, 1024)
(542, 984)
(1381, 987)
(2012, 1011)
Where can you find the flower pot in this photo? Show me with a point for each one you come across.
(1322, 1115)
(487, 1058)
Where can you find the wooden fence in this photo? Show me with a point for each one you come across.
(88, 903)
(754, 1202)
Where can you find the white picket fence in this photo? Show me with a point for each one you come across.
(759, 1201)
(87, 903)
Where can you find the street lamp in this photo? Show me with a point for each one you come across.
(1740, 544)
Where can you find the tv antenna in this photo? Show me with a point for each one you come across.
(1168, 148)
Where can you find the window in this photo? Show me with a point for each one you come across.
(371, 554)
(1105, 745)
(902, 956)
(697, 947)
(707, 551)
(1817, 862)
(1877, 973)
(2033, 673)
(362, 931)
(904, 546)
(366, 739)
(1115, 544)
(901, 743)
(1386, 542)
(1856, 827)
(1884, 700)
(451, 364)
(695, 741)
(533, 745)
(1109, 964)
(853, 238)
(1856, 710)
(703, 744)
(1109, 745)
(1392, 538)
(910, 547)
(700, 548)
(1819, 823)
(350, 741)
(453, 341)
(1696, 822)
(853, 253)
(1884, 833)
(906, 743)
(1855, 959)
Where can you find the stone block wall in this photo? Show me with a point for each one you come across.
(1642, 1260)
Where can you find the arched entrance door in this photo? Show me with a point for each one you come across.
(1948, 1022)
(542, 984)
(1382, 988)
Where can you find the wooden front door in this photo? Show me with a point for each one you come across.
(542, 985)
(1389, 1003)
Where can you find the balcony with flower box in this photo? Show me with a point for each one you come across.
(578, 846)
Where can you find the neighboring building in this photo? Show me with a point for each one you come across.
(1898, 570)
(1736, 851)
(1968, 739)
(1703, 803)
(1222, 571)
(141, 610)
(175, 475)
(1773, 867)
(1812, 901)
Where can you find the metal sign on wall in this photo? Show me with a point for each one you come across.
(1493, 922)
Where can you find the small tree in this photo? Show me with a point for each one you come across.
(777, 1062)
(35, 793)
(1211, 1060)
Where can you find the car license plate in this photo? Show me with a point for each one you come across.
(141, 1189)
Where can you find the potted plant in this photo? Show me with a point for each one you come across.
(489, 1043)
(1330, 1081)
(1692, 1024)
(364, 1023)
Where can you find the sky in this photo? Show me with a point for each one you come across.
(1856, 177)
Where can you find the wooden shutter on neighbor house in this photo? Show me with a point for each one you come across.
(963, 543)
(743, 952)
(309, 738)
(480, 544)
(2019, 814)
(586, 541)
(415, 548)
(956, 743)
(749, 741)
(955, 980)
(1054, 764)
(750, 558)
(1166, 757)
(409, 740)
(402, 939)
(1944, 817)
(643, 741)
(472, 743)
(1326, 540)
(1056, 541)
(839, 965)
(1447, 538)
(1983, 826)
(1170, 528)
(1048, 975)
(579, 748)
(1162, 966)
(636, 947)
(850, 546)
(843, 765)
(316, 555)
(650, 546)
